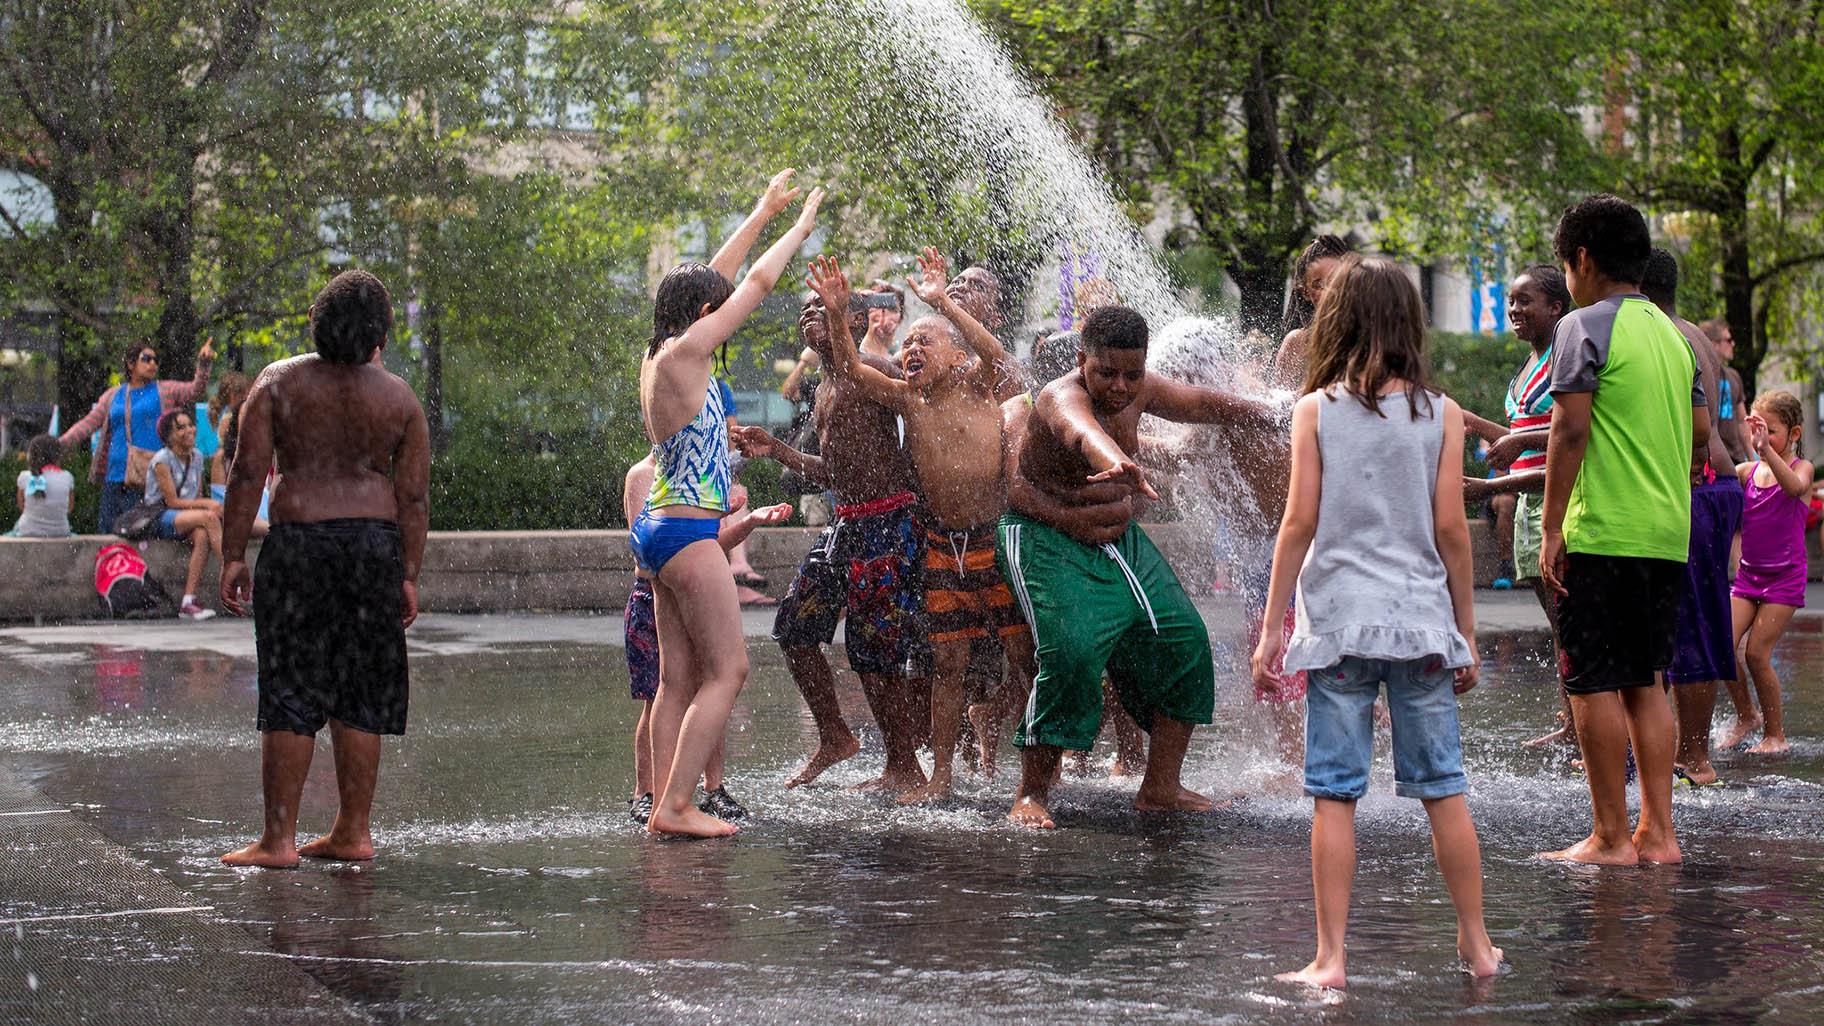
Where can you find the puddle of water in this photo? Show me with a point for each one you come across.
(512, 889)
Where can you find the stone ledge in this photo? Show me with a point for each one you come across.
(52, 579)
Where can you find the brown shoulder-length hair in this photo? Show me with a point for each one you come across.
(1369, 330)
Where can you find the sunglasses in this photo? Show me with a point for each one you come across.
(148, 358)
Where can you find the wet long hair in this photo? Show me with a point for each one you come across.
(1300, 310)
(682, 295)
(1369, 330)
(42, 451)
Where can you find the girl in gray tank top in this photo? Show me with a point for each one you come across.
(1375, 535)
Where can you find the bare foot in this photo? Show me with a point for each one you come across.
(329, 846)
(1592, 851)
(1484, 963)
(1184, 800)
(1771, 746)
(930, 791)
(1129, 767)
(692, 822)
(1658, 850)
(1031, 812)
(264, 856)
(1314, 975)
(1701, 775)
(895, 781)
(1739, 731)
(826, 755)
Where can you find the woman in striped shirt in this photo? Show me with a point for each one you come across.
(1535, 302)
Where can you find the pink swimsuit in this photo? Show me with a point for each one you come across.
(1773, 545)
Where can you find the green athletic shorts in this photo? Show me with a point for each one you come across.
(1117, 607)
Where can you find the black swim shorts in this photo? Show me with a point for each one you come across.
(327, 605)
(1618, 620)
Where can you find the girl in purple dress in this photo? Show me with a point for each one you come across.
(1770, 586)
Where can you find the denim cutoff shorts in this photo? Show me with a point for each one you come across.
(1339, 728)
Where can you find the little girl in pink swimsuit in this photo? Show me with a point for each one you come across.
(1770, 586)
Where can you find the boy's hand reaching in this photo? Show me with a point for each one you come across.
(827, 280)
(754, 442)
(1130, 472)
(933, 278)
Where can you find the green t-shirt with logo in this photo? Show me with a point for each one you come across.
(1632, 496)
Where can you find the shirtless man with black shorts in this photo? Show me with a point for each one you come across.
(337, 579)
(863, 569)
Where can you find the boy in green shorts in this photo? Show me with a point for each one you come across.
(1628, 409)
(1116, 606)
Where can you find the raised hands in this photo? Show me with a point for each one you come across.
(1757, 432)
(780, 192)
(206, 353)
(807, 218)
(827, 280)
(933, 277)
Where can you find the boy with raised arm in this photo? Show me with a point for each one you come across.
(337, 582)
(1116, 606)
(863, 569)
(953, 433)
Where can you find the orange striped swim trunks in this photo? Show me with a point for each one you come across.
(965, 595)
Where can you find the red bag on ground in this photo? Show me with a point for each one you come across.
(124, 586)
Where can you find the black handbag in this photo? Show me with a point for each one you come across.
(138, 522)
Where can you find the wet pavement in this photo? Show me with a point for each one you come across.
(511, 888)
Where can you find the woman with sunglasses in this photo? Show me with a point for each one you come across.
(126, 416)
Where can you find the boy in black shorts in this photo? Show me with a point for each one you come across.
(338, 574)
(1627, 413)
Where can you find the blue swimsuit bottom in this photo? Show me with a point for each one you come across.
(657, 539)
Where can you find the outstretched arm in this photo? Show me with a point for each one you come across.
(734, 530)
(933, 277)
(1065, 409)
(1482, 427)
(759, 443)
(702, 339)
(780, 192)
(1192, 404)
(827, 280)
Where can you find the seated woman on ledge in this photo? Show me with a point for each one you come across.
(46, 493)
(175, 479)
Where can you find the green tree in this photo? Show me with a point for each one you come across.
(1716, 115)
(1265, 122)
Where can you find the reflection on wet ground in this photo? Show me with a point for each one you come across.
(511, 888)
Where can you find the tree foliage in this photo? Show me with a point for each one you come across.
(1266, 121)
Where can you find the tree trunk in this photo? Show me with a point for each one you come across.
(174, 233)
(82, 368)
(1738, 291)
(1261, 277)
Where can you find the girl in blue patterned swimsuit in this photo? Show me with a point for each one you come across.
(703, 659)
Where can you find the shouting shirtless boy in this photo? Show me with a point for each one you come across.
(863, 569)
(337, 581)
(1115, 606)
(953, 432)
